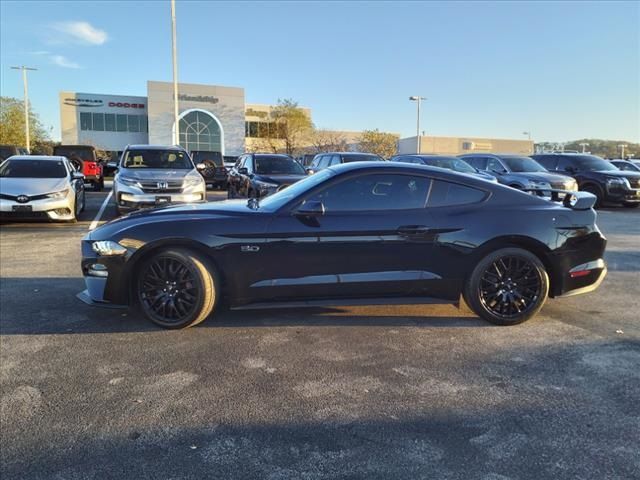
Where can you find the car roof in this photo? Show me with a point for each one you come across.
(444, 173)
(37, 157)
(284, 155)
(74, 146)
(155, 147)
(425, 155)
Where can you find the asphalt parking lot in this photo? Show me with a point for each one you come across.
(364, 392)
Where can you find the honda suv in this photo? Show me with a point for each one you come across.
(151, 175)
(521, 172)
(596, 175)
(83, 158)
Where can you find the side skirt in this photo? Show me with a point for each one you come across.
(346, 302)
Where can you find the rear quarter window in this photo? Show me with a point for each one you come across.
(446, 194)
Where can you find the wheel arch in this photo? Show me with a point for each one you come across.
(536, 247)
(149, 249)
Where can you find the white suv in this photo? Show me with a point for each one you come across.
(152, 175)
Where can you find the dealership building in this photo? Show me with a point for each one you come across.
(212, 118)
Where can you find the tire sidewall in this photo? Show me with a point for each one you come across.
(471, 293)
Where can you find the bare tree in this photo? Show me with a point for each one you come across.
(381, 143)
(328, 141)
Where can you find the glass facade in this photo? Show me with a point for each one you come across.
(111, 122)
(200, 131)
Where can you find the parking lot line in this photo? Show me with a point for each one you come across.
(94, 224)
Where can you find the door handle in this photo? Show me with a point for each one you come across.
(413, 230)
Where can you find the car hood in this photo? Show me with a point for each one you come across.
(619, 173)
(280, 179)
(175, 213)
(544, 177)
(32, 186)
(484, 176)
(161, 174)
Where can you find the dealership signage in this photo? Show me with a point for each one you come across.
(198, 98)
(250, 112)
(126, 105)
(83, 102)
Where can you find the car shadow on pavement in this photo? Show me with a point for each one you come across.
(33, 306)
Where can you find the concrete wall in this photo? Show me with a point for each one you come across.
(460, 145)
(74, 103)
(225, 103)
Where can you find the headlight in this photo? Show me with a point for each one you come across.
(131, 182)
(618, 181)
(266, 185)
(108, 248)
(192, 182)
(572, 186)
(58, 195)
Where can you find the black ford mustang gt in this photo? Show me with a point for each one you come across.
(359, 233)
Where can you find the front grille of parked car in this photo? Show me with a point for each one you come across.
(172, 186)
(15, 197)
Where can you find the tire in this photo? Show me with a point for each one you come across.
(158, 292)
(595, 190)
(97, 185)
(630, 205)
(230, 195)
(84, 201)
(495, 297)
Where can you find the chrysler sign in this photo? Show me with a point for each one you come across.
(83, 102)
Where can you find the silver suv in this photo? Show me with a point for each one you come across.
(152, 175)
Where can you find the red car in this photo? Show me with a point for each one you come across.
(83, 158)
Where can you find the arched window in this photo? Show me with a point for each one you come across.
(199, 130)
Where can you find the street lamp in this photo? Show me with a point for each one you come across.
(174, 53)
(418, 99)
(528, 134)
(583, 145)
(26, 103)
(622, 147)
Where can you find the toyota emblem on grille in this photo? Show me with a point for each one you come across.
(22, 199)
(163, 185)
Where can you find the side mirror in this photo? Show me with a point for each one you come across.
(201, 166)
(310, 171)
(77, 176)
(243, 171)
(310, 209)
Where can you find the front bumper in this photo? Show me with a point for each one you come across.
(45, 209)
(615, 193)
(133, 201)
(104, 278)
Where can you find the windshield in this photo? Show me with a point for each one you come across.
(202, 157)
(277, 165)
(592, 163)
(278, 199)
(33, 169)
(362, 158)
(523, 164)
(84, 153)
(450, 163)
(169, 159)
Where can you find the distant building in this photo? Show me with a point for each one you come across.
(460, 145)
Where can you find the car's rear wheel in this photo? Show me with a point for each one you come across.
(176, 288)
(594, 190)
(507, 287)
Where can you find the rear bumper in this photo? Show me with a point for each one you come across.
(588, 282)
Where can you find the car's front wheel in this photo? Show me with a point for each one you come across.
(176, 288)
(507, 287)
(594, 190)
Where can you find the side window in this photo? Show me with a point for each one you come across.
(324, 161)
(565, 163)
(248, 163)
(316, 161)
(239, 162)
(375, 192)
(478, 162)
(494, 165)
(335, 160)
(547, 161)
(446, 194)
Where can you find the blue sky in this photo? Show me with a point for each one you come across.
(563, 70)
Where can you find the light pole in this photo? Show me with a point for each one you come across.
(622, 147)
(418, 99)
(26, 103)
(528, 134)
(174, 53)
(584, 145)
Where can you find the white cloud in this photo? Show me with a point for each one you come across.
(82, 32)
(62, 61)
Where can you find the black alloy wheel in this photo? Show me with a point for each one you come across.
(508, 286)
(176, 289)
